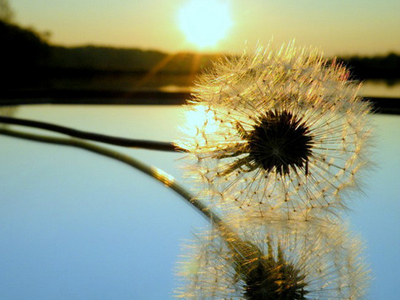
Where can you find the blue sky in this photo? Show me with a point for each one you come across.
(337, 27)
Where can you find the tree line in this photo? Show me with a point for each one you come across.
(374, 67)
(27, 55)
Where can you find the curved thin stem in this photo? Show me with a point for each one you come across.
(118, 141)
(232, 239)
(154, 172)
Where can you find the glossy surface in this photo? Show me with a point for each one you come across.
(75, 225)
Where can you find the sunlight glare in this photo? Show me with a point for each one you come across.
(197, 118)
(205, 22)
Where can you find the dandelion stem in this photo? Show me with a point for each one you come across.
(229, 235)
(154, 172)
(232, 239)
(118, 141)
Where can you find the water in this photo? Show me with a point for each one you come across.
(380, 88)
(76, 225)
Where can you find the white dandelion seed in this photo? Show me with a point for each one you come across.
(278, 260)
(283, 130)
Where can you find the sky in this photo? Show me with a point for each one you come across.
(340, 27)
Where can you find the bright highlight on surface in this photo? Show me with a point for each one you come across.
(205, 22)
(195, 119)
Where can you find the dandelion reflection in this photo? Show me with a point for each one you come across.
(277, 259)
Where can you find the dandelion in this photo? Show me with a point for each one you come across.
(278, 260)
(283, 130)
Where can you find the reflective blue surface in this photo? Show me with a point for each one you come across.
(76, 225)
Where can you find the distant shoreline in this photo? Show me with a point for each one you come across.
(95, 97)
(382, 105)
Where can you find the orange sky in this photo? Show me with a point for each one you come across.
(337, 27)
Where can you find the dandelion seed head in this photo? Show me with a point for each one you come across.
(285, 130)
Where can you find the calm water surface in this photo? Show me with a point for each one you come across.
(380, 88)
(76, 225)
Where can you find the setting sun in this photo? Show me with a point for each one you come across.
(205, 22)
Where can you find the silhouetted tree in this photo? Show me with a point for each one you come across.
(374, 67)
(21, 52)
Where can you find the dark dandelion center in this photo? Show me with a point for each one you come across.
(280, 141)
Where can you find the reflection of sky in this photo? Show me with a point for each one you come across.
(377, 216)
(380, 88)
(74, 225)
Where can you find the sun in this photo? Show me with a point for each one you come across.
(205, 22)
